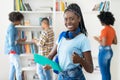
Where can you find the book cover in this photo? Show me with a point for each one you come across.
(22, 35)
(36, 34)
(96, 7)
(62, 6)
(57, 6)
(21, 5)
(101, 6)
(32, 48)
(28, 35)
(27, 48)
(103, 9)
(107, 5)
(23, 48)
(17, 5)
(27, 6)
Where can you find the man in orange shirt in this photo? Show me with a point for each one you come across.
(106, 39)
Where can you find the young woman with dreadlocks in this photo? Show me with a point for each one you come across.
(73, 49)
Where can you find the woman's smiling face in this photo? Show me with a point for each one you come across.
(71, 20)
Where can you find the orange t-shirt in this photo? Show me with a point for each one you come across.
(109, 33)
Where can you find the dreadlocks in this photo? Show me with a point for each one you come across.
(76, 9)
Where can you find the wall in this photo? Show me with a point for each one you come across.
(115, 65)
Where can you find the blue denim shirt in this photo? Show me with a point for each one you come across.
(10, 40)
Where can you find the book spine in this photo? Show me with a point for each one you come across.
(17, 5)
(21, 6)
(57, 6)
(62, 6)
(101, 6)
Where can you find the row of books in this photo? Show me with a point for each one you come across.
(60, 5)
(29, 35)
(28, 48)
(20, 6)
(103, 6)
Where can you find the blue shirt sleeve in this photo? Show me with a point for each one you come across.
(85, 45)
(11, 39)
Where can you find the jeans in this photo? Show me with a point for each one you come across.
(72, 74)
(105, 55)
(15, 67)
(43, 74)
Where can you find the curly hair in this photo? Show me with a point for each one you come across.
(76, 9)
(106, 18)
(15, 16)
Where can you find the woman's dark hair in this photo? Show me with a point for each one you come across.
(46, 19)
(76, 9)
(15, 16)
(106, 18)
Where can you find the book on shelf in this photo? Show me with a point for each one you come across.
(28, 48)
(36, 34)
(60, 5)
(18, 5)
(57, 6)
(107, 6)
(27, 7)
(102, 6)
(28, 35)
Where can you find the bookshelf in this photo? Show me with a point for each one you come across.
(33, 11)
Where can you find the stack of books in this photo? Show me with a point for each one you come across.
(20, 6)
(103, 6)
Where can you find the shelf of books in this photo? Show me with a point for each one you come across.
(93, 6)
(31, 5)
(33, 11)
(103, 5)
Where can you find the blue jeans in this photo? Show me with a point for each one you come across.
(43, 74)
(105, 55)
(15, 67)
(72, 74)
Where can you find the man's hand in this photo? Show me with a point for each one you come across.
(21, 40)
(47, 67)
(35, 41)
(96, 38)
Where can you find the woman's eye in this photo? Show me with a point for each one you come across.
(71, 19)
